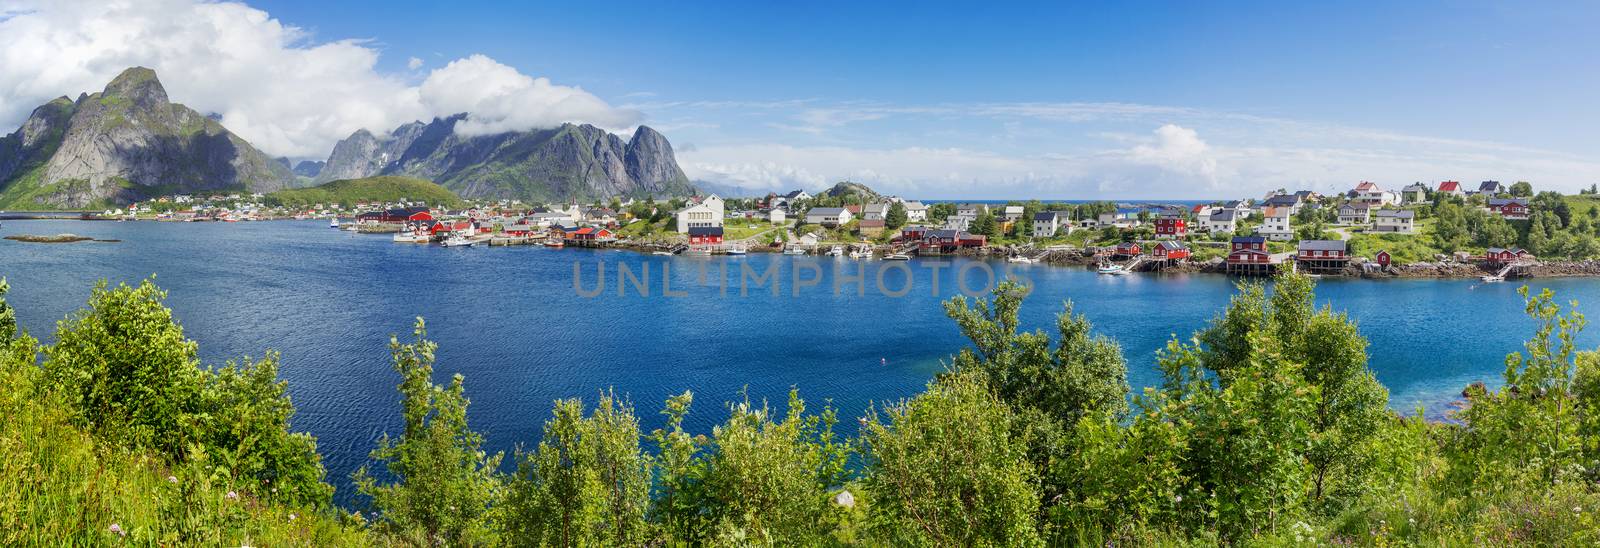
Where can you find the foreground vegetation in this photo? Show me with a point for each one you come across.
(1267, 429)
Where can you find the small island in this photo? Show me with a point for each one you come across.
(56, 239)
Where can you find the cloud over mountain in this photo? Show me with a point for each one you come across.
(272, 83)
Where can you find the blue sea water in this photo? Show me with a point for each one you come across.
(512, 321)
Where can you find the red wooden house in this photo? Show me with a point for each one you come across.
(913, 233)
(396, 215)
(1512, 208)
(948, 241)
(1171, 227)
(1170, 250)
(1500, 255)
(705, 235)
(1248, 250)
(447, 227)
(1128, 249)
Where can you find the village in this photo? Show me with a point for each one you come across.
(1366, 231)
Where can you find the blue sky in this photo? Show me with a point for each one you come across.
(1054, 100)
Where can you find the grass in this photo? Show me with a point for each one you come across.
(66, 489)
(385, 189)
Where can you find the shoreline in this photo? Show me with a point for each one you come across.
(1068, 258)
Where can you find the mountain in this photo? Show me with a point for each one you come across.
(126, 143)
(383, 188)
(845, 188)
(729, 190)
(570, 162)
(309, 168)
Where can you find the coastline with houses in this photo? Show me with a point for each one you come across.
(1327, 235)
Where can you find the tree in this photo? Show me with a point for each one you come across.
(587, 484)
(1291, 387)
(243, 417)
(766, 481)
(986, 225)
(896, 217)
(444, 483)
(1522, 189)
(916, 500)
(126, 370)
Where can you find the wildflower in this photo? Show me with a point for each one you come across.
(1577, 509)
(291, 517)
(1178, 498)
(172, 479)
(117, 530)
(232, 495)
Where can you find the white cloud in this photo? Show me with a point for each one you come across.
(501, 99)
(273, 84)
(414, 63)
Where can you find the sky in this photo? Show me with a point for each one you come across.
(1058, 100)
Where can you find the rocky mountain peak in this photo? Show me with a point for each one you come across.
(139, 85)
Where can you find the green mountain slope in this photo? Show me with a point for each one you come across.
(383, 188)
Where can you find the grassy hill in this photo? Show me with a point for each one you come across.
(386, 188)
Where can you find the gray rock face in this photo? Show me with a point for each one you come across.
(569, 162)
(309, 168)
(128, 143)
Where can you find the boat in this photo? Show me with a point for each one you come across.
(897, 257)
(698, 251)
(794, 251)
(1492, 279)
(835, 251)
(555, 243)
(1021, 260)
(662, 253)
(861, 253)
(1111, 269)
(458, 241)
(333, 223)
(411, 238)
(736, 250)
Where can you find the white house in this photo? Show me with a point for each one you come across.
(1414, 193)
(1370, 193)
(916, 212)
(1399, 221)
(776, 216)
(1047, 223)
(1452, 188)
(1355, 214)
(1012, 213)
(828, 216)
(958, 222)
(699, 215)
(875, 212)
(1275, 224)
(1222, 220)
(797, 195)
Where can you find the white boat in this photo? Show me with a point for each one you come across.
(1021, 260)
(333, 223)
(897, 257)
(794, 251)
(411, 238)
(736, 250)
(662, 253)
(458, 241)
(1492, 279)
(1111, 269)
(835, 251)
(861, 253)
(698, 251)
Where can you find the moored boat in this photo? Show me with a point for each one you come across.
(1020, 260)
(897, 257)
(334, 223)
(1112, 269)
(458, 241)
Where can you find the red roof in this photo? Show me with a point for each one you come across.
(1366, 186)
(1449, 186)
